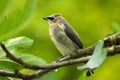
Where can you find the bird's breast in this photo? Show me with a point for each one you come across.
(60, 39)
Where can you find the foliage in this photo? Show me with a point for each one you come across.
(11, 23)
(14, 45)
(97, 58)
(91, 19)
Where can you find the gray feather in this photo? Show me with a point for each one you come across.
(73, 36)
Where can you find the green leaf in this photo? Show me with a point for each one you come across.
(4, 5)
(9, 65)
(13, 22)
(8, 78)
(16, 44)
(116, 27)
(48, 76)
(29, 58)
(97, 58)
(11, 78)
(4, 78)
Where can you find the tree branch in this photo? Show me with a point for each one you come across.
(82, 56)
(50, 67)
(108, 41)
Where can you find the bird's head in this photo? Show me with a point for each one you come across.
(53, 18)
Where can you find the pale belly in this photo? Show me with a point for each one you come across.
(62, 42)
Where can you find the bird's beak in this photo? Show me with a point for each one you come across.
(45, 18)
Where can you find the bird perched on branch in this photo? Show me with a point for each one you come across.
(63, 35)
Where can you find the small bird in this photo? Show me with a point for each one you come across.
(63, 35)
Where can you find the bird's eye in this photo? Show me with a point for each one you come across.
(50, 18)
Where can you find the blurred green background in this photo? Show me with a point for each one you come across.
(92, 20)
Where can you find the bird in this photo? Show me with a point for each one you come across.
(65, 38)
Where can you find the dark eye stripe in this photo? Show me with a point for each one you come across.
(50, 18)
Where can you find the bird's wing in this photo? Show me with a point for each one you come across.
(73, 36)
